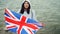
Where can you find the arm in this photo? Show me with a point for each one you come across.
(33, 15)
(18, 11)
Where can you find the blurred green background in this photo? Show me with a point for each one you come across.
(47, 11)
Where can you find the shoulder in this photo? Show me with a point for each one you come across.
(32, 10)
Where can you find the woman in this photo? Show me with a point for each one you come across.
(26, 10)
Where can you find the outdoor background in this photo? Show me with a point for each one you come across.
(47, 11)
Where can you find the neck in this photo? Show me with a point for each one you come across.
(25, 9)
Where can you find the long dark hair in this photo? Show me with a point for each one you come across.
(22, 8)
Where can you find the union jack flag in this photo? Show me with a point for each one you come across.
(20, 24)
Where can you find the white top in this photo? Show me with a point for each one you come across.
(27, 15)
(30, 15)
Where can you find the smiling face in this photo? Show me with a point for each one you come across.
(26, 5)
